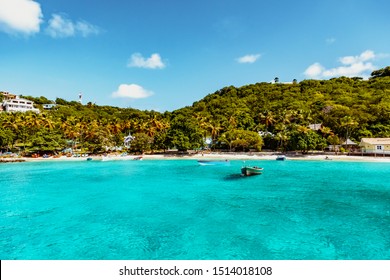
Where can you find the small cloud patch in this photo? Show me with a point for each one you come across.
(153, 62)
(352, 66)
(132, 91)
(250, 58)
(60, 26)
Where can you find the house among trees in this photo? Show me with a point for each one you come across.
(13, 103)
(375, 145)
(315, 126)
(48, 106)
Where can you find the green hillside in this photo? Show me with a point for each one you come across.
(231, 118)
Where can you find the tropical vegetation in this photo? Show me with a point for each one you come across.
(274, 116)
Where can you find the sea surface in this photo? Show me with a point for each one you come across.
(179, 210)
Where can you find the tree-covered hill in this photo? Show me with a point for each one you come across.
(346, 107)
(263, 115)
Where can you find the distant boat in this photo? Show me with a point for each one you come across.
(107, 158)
(281, 157)
(214, 162)
(251, 170)
(89, 159)
(138, 158)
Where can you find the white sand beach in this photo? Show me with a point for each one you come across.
(216, 156)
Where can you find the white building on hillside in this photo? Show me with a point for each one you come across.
(19, 105)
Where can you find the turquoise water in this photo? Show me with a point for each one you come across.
(176, 209)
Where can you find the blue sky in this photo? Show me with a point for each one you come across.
(164, 55)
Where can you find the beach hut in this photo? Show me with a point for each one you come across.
(348, 142)
(349, 145)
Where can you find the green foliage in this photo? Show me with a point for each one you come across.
(184, 133)
(60, 101)
(381, 72)
(231, 117)
(242, 140)
(47, 140)
(7, 137)
(306, 141)
(141, 143)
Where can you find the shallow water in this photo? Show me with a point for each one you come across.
(176, 209)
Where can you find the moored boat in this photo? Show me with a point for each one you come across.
(251, 170)
(107, 158)
(138, 158)
(214, 162)
(281, 157)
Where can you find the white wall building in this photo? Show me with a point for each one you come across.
(19, 105)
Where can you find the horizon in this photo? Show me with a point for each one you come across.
(163, 56)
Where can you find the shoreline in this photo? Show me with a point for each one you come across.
(209, 156)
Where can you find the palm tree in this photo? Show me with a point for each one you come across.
(70, 130)
(9, 121)
(282, 138)
(268, 118)
(127, 124)
(154, 125)
(326, 131)
(33, 121)
(214, 129)
(203, 123)
(232, 122)
(303, 129)
(48, 122)
(347, 123)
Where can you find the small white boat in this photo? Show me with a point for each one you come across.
(251, 170)
(281, 157)
(107, 158)
(138, 158)
(214, 162)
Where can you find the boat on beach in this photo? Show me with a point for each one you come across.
(138, 158)
(251, 170)
(214, 162)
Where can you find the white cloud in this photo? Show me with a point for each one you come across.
(153, 62)
(86, 29)
(364, 56)
(20, 16)
(60, 26)
(131, 91)
(352, 66)
(314, 70)
(250, 58)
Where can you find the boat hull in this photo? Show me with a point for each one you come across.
(249, 171)
(214, 162)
